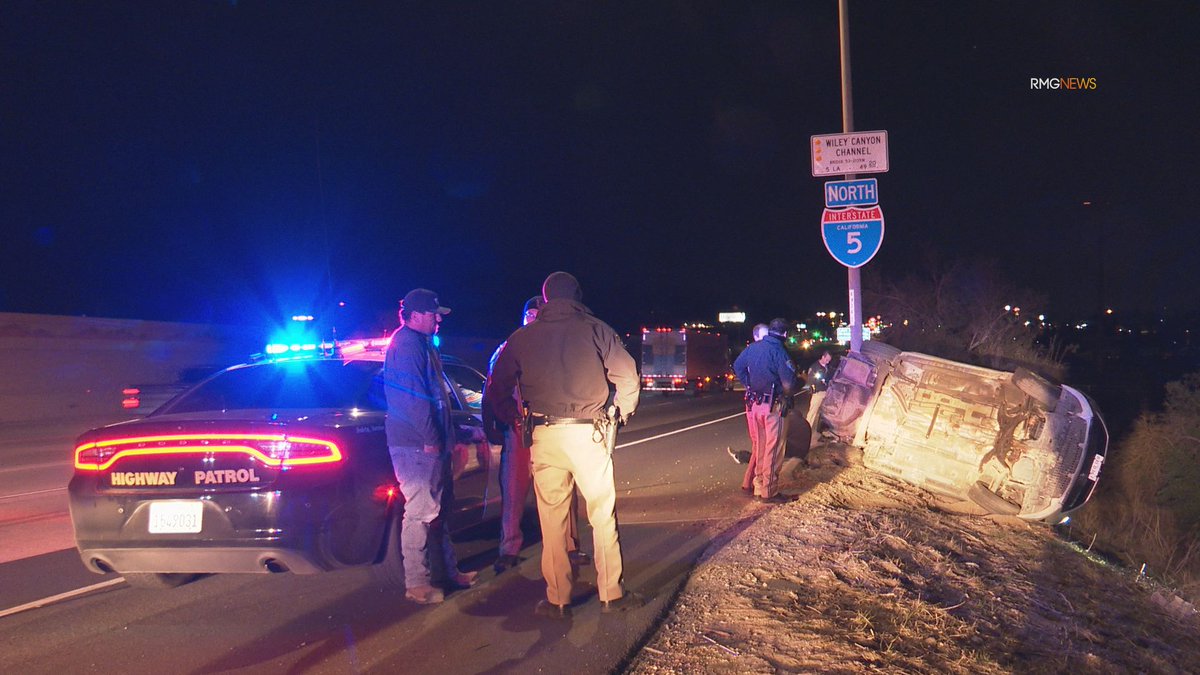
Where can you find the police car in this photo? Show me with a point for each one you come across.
(277, 465)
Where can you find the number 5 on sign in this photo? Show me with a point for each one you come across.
(853, 235)
(853, 242)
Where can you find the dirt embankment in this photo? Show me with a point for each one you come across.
(863, 574)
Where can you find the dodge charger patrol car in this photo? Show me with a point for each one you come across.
(278, 465)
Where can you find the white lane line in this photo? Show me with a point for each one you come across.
(60, 597)
(35, 492)
(678, 431)
(30, 467)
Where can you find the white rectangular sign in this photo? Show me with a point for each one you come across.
(731, 317)
(855, 152)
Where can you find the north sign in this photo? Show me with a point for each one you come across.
(863, 192)
(852, 236)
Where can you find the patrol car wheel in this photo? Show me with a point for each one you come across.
(157, 580)
(992, 502)
(1037, 388)
(389, 571)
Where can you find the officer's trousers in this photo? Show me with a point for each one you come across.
(566, 456)
(814, 414)
(768, 441)
(516, 478)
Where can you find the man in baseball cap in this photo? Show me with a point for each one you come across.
(420, 436)
(422, 300)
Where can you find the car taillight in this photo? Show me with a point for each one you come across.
(278, 450)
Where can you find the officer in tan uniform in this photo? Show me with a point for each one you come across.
(562, 365)
(516, 475)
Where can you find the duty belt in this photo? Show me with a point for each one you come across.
(550, 420)
(759, 397)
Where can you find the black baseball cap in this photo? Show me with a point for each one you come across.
(533, 303)
(423, 300)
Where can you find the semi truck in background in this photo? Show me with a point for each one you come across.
(687, 359)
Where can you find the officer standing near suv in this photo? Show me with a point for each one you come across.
(516, 474)
(769, 376)
(817, 381)
(562, 365)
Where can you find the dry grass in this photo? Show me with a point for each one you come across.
(895, 581)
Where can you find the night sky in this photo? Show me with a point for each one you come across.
(235, 162)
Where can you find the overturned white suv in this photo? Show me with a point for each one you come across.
(1011, 442)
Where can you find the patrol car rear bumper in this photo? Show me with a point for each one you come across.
(200, 560)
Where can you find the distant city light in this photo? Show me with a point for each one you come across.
(302, 317)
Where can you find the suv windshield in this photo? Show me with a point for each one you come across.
(289, 384)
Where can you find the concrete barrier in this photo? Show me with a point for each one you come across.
(68, 371)
(62, 369)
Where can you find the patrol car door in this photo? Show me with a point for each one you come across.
(472, 454)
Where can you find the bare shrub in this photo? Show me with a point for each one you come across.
(966, 311)
(1147, 510)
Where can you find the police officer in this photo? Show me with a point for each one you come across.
(759, 332)
(563, 365)
(515, 472)
(770, 379)
(816, 379)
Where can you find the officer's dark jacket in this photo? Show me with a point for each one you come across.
(563, 363)
(765, 363)
(817, 376)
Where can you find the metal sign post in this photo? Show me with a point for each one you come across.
(854, 280)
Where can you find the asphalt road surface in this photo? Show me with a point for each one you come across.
(677, 490)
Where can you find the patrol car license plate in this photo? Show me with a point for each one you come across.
(176, 517)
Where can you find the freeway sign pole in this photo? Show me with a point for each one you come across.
(854, 280)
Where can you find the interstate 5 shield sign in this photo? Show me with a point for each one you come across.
(852, 236)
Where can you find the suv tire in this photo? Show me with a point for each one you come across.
(992, 502)
(881, 351)
(1037, 388)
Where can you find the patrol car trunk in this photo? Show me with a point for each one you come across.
(205, 456)
(176, 493)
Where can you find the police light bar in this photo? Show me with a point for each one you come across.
(277, 348)
(338, 348)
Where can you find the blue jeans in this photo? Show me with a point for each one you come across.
(425, 482)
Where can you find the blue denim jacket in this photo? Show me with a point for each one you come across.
(418, 405)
